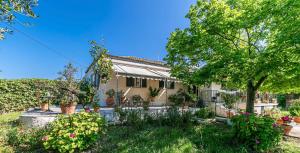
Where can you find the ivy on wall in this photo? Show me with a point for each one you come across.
(18, 95)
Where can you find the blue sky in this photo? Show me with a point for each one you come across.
(129, 28)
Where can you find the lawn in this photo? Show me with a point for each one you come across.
(7, 122)
(208, 138)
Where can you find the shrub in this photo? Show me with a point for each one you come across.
(153, 92)
(110, 93)
(26, 139)
(74, 132)
(182, 98)
(258, 132)
(294, 108)
(204, 113)
(137, 99)
(134, 118)
(18, 95)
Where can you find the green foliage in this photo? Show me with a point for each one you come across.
(229, 100)
(26, 139)
(204, 113)
(76, 132)
(68, 85)
(258, 132)
(182, 97)
(211, 138)
(18, 95)
(86, 96)
(140, 118)
(245, 44)
(9, 9)
(110, 93)
(102, 64)
(294, 108)
(137, 99)
(153, 92)
(281, 99)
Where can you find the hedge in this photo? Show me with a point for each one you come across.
(18, 95)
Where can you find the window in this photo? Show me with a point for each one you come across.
(161, 84)
(170, 84)
(136, 82)
(129, 82)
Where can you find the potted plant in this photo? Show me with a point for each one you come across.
(153, 92)
(45, 100)
(294, 110)
(137, 99)
(287, 128)
(68, 89)
(96, 107)
(110, 97)
(68, 102)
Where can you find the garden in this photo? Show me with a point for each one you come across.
(174, 131)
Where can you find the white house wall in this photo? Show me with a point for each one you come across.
(161, 99)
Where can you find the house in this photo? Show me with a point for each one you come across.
(134, 76)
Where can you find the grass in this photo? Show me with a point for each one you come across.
(7, 122)
(208, 138)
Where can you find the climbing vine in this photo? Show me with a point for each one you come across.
(102, 63)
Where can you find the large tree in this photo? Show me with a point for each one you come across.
(245, 44)
(9, 9)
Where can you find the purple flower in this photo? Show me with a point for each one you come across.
(72, 135)
(286, 118)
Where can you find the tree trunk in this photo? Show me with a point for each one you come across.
(250, 97)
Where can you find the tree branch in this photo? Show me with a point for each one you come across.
(260, 81)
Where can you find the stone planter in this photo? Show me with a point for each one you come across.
(44, 107)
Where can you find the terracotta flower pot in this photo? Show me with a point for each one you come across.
(68, 108)
(96, 109)
(279, 121)
(151, 99)
(297, 119)
(44, 107)
(110, 101)
(287, 129)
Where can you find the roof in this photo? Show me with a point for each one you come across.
(139, 67)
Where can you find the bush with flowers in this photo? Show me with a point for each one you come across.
(74, 132)
(260, 133)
